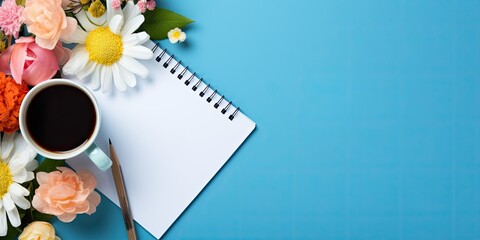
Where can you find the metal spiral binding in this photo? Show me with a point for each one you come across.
(165, 64)
(174, 69)
(190, 79)
(195, 87)
(209, 99)
(202, 93)
(159, 57)
(225, 109)
(180, 76)
(216, 105)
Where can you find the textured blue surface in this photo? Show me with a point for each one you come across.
(368, 118)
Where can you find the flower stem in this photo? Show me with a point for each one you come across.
(9, 41)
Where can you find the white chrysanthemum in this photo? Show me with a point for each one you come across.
(16, 167)
(107, 52)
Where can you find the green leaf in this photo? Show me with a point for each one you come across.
(38, 216)
(50, 165)
(12, 233)
(159, 21)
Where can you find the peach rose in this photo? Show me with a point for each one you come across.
(47, 20)
(65, 193)
(38, 230)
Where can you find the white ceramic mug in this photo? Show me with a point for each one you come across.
(89, 147)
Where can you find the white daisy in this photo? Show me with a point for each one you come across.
(16, 167)
(107, 52)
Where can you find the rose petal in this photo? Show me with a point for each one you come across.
(93, 200)
(17, 61)
(71, 25)
(66, 217)
(44, 67)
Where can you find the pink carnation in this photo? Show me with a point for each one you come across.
(116, 4)
(142, 5)
(65, 193)
(11, 18)
(151, 5)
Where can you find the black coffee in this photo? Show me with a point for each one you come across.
(60, 118)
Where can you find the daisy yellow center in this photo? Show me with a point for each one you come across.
(176, 34)
(104, 46)
(5, 178)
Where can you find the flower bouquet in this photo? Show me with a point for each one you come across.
(105, 40)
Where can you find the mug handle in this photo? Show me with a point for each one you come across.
(98, 157)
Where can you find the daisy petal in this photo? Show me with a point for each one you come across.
(90, 23)
(30, 176)
(21, 202)
(18, 162)
(32, 165)
(77, 62)
(83, 20)
(134, 66)
(112, 11)
(82, 74)
(78, 36)
(118, 78)
(106, 78)
(132, 25)
(8, 203)
(20, 176)
(22, 147)
(128, 77)
(7, 145)
(116, 24)
(17, 190)
(138, 52)
(3, 222)
(135, 39)
(96, 77)
(130, 11)
(14, 217)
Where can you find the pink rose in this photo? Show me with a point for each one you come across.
(65, 193)
(47, 20)
(26, 61)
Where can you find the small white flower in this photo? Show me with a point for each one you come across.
(176, 35)
(16, 167)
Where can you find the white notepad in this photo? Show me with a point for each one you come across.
(169, 139)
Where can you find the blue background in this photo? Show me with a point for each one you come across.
(368, 118)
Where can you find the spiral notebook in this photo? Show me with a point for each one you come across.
(172, 133)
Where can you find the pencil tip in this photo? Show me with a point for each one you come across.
(109, 141)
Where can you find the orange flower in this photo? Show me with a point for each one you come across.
(65, 193)
(11, 96)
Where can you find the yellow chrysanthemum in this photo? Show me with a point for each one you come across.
(97, 9)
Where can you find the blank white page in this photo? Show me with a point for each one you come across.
(170, 142)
